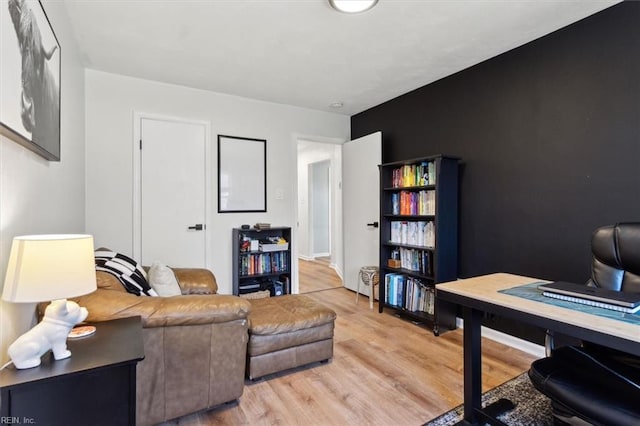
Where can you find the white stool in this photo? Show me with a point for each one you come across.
(370, 276)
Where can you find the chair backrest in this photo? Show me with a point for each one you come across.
(616, 257)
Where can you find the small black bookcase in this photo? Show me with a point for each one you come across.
(262, 260)
(419, 238)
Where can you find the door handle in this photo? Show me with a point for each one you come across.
(197, 227)
(374, 224)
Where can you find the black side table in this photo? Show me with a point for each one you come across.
(95, 386)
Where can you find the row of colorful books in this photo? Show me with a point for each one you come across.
(414, 260)
(414, 175)
(409, 293)
(414, 203)
(419, 233)
(264, 263)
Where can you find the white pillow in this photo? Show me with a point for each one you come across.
(163, 280)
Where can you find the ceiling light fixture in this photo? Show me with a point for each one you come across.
(352, 6)
(336, 105)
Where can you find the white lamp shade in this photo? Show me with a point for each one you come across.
(49, 267)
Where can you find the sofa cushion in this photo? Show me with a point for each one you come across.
(163, 280)
(126, 270)
(285, 314)
(196, 280)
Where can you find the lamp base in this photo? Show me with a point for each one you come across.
(50, 334)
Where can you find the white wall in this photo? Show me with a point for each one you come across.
(38, 196)
(111, 101)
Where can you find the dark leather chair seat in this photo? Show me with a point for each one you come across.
(588, 383)
(602, 386)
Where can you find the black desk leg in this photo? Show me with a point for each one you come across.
(473, 412)
(472, 364)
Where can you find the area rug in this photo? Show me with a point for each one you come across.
(531, 407)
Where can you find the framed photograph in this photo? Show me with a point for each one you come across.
(30, 67)
(242, 174)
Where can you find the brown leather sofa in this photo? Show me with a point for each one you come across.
(195, 344)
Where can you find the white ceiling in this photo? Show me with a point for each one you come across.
(302, 52)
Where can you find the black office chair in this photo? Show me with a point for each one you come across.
(588, 383)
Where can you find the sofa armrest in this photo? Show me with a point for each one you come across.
(196, 280)
(105, 305)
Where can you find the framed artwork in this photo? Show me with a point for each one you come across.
(30, 71)
(242, 174)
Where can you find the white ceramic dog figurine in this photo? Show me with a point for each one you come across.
(59, 318)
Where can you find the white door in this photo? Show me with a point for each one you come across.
(361, 205)
(172, 193)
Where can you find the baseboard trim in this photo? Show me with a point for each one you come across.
(509, 340)
(338, 271)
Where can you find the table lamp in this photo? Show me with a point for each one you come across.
(49, 268)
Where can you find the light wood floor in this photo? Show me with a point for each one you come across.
(314, 275)
(385, 371)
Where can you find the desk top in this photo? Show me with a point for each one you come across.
(114, 342)
(485, 290)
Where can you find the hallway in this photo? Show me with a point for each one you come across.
(317, 275)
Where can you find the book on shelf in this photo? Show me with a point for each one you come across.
(264, 263)
(391, 284)
(416, 260)
(416, 296)
(409, 293)
(412, 203)
(395, 289)
(414, 233)
(395, 203)
(409, 175)
(287, 283)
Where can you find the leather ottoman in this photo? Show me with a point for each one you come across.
(287, 332)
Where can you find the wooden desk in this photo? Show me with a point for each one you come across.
(481, 294)
(95, 386)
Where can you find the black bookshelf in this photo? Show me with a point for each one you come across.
(263, 266)
(419, 231)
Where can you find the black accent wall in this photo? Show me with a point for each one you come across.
(549, 136)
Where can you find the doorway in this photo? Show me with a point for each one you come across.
(319, 231)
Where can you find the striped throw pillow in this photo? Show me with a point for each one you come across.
(126, 270)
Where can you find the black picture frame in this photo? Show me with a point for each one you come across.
(30, 78)
(242, 174)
